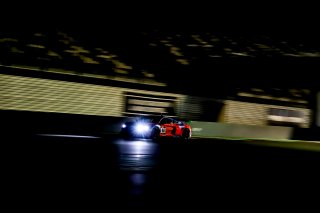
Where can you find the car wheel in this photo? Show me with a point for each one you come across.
(155, 134)
(186, 134)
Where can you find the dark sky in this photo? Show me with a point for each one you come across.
(290, 20)
(120, 15)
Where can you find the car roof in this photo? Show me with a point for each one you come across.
(152, 117)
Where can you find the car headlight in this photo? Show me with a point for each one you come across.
(141, 128)
(124, 126)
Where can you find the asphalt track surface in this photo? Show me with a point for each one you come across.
(98, 173)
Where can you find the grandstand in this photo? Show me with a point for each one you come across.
(138, 55)
(61, 53)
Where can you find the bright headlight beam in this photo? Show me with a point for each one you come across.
(140, 128)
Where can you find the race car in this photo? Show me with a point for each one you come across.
(156, 127)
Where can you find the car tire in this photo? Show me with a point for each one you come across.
(155, 134)
(185, 134)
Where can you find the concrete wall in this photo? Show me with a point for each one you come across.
(238, 112)
(46, 95)
(212, 129)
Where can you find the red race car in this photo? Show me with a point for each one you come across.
(156, 127)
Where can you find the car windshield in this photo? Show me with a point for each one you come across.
(156, 119)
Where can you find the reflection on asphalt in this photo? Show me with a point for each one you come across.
(136, 155)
